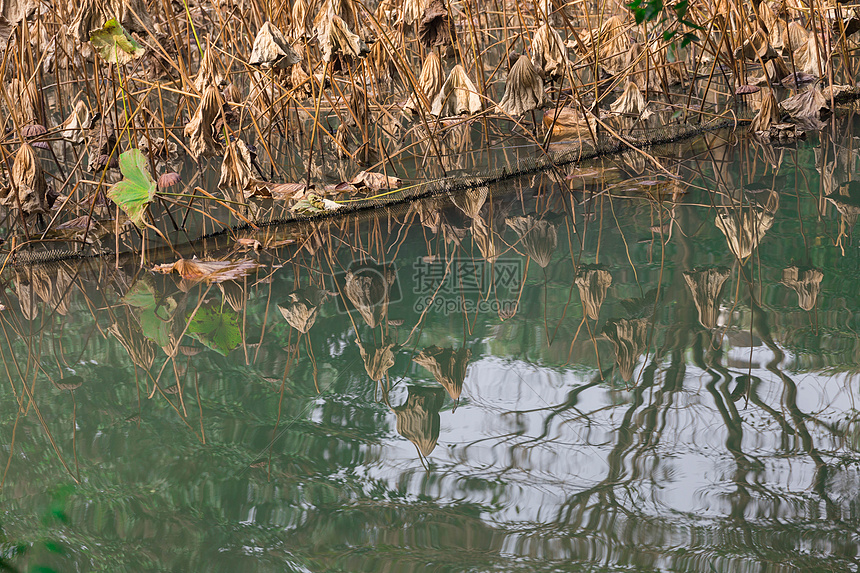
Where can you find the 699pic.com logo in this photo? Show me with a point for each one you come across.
(368, 287)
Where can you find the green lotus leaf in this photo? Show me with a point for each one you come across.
(136, 190)
(114, 44)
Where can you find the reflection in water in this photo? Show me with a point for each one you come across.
(448, 367)
(699, 410)
(593, 281)
(706, 286)
(418, 418)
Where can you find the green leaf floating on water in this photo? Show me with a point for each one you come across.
(137, 188)
(217, 328)
(114, 44)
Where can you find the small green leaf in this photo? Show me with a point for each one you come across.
(137, 188)
(216, 328)
(114, 44)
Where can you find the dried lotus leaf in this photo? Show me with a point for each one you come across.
(631, 102)
(429, 82)
(549, 53)
(338, 39)
(271, 49)
(200, 129)
(75, 127)
(458, 95)
(29, 187)
(524, 89)
(768, 113)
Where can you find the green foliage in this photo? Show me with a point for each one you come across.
(217, 328)
(114, 44)
(136, 190)
(155, 319)
(651, 11)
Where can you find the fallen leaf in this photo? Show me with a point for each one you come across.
(136, 190)
(375, 181)
(209, 271)
(114, 44)
(313, 204)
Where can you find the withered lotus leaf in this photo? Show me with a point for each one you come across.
(458, 95)
(768, 113)
(538, 237)
(631, 102)
(706, 286)
(209, 271)
(271, 49)
(208, 73)
(375, 181)
(338, 39)
(200, 129)
(28, 187)
(523, 90)
(549, 53)
(435, 28)
(429, 82)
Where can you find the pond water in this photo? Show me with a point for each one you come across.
(606, 367)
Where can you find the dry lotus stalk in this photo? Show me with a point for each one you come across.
(457, 96)
(810, 104)
(744, 229)
(593, 282)
(429, 82)
(538, 237)
(368, 289)
(629, 337)
(377, 359)
(549, 53)
(208, 74)
(448, 367)
(76, 125)
(200, 129)
(301, 308)
(805, 282)
(523, 90)
(271, 49)
(757, 47)
(631, 102)
(28, 187)
(436, 27)
(768, 113)
(418, 418)
(706, 285)
(338, 39)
